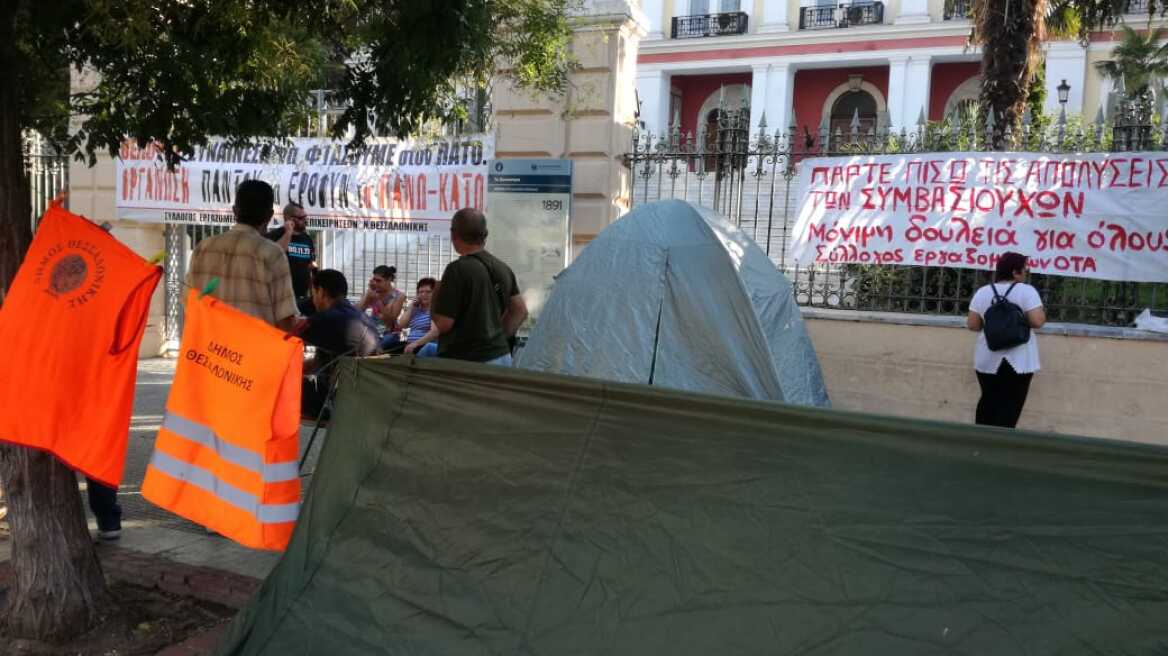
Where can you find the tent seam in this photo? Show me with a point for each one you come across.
(660, 313)
(568, 493)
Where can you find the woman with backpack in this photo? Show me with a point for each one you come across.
(1003, 313)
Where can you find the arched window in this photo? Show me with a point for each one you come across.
(963, 100)
(846, 108)
(963, 109)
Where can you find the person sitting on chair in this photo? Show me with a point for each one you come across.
(336, 328)
(422, 334)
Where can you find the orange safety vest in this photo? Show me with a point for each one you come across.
(226, 455)
(70, 329)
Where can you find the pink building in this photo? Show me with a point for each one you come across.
(814, 62)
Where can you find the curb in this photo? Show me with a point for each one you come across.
(152, 571)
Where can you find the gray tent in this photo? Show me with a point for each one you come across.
(673, 295)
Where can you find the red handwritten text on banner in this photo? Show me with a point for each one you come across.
(1095, 216)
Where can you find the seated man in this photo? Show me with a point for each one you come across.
(336, 328)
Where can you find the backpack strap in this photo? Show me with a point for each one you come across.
(998, 298)
(499, 293)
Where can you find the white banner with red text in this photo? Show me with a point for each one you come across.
(390, 185)
(1092, 216)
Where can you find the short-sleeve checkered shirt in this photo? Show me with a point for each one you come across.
(252, 270)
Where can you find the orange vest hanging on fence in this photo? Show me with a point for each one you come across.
(226, 455)
(70, 329)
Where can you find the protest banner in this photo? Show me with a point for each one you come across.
(1101, 216)
(398, 186)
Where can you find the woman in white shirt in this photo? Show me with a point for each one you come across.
(1004, 376)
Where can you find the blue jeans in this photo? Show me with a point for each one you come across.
(502, 361)
(429, 350)
(103, 501)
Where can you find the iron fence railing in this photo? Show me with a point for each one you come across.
(702, 25)
(352, 252)
(48, 173)
(1136, 7)
(843, 15)
(750, 180)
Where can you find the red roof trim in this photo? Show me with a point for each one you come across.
(803, 49)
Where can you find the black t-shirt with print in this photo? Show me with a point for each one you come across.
(301, 254)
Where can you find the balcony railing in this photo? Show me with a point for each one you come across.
(692, 27)
(845, 15)
(1137, 7)
(960, 9)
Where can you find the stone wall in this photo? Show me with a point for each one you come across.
(1094, 381)
(92, 195)
(591, 123)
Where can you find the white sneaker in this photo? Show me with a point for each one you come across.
(110, 535)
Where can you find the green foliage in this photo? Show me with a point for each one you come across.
(929, 290)
(1078, 18)
(1139, 61)
(178, 71)
(1036, 97)
(1011, 33)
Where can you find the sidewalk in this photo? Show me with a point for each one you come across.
(160, 549)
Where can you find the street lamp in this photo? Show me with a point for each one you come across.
(1064, 92)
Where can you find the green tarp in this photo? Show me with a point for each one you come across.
(466, 509)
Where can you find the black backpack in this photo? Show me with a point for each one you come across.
(1005, 324)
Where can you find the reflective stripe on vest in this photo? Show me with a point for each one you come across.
(269, 472)
(227, 452)
(207, 481)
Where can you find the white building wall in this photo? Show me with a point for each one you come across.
(653, 92)
(1065, 61)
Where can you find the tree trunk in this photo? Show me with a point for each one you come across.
(1010, 33)
(15, 211)
(58, 591)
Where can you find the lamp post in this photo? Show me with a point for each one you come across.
(1064, 92)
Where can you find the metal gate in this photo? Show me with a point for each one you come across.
(48, 173)
(352, 252)
(750, 179)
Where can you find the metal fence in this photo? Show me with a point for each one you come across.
(48, 173)
(750, 180)
(352, 252)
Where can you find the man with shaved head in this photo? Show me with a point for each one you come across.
(293, 237)
(477, 307)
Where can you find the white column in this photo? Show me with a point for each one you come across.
(771, 95)
(908, 90)
(1106, 87)
(913, 11)
(1066, 60)
(655, 12)
(758, 95)
(774, 17)
(653, 92)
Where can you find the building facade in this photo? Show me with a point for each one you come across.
(807, 64)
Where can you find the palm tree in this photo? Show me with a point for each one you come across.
(1011, 33)
(1139, 65)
